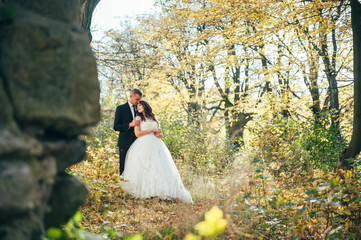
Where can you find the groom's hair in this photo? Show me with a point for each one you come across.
(135, 91)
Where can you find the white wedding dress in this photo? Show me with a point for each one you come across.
(150, 170)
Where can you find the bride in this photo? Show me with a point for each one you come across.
(149, 168)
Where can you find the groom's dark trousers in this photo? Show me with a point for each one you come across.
(123, 116)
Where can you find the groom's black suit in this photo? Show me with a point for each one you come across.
(123, 116)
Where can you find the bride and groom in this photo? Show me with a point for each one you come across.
(144, 160)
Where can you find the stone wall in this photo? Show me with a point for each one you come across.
(49, 95)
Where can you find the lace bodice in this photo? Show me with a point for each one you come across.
(148, 124)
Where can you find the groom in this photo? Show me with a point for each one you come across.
(124, 122)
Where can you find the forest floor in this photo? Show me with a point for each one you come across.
(309, 205)
(110, 210)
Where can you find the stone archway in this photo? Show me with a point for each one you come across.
(49, 95)
(87, 8)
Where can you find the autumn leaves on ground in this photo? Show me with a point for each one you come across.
(109, 208)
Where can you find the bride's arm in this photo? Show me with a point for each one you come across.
(140, 133)
(159, 133)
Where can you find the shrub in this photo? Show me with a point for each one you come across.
(286, 145)
(196, 144)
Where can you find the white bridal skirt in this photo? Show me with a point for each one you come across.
(150, 171)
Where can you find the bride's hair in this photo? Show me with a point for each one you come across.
(148, 112)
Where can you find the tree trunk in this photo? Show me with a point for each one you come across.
(86, 12)
(355, 145)
(314, 88)
(265, 70)
(330, 70)
(283, 82)
(236, 128)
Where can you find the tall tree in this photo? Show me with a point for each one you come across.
(355, 145)
(317, 25)
(126, 59)
(183, 46)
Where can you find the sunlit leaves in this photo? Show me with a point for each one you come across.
(191, 236)
(135, 237)
(213, 223)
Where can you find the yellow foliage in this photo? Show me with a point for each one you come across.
(213, 223)
(135, 237)
(191, 236)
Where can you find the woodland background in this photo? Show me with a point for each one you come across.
(256, 103)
